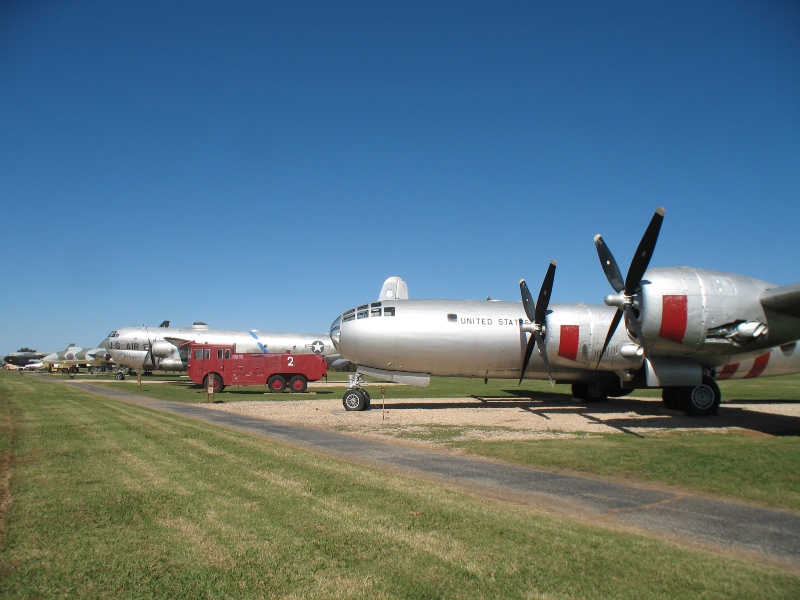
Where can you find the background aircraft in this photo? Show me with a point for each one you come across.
(684, 328)
(153, 348)
(21, 359)
(76, 356)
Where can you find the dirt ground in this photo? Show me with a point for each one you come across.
(519, 419)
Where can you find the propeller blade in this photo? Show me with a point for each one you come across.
(527, 301)
(614, 324)
(633, 323)
(540, 311)
(610, 267)
(540, 339)
(643, 253)
(528, 353)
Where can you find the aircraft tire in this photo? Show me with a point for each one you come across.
(670, 397)
(276, 384)
(218, 385)
(120, 376)
(369, 399)
(589, 392)
(354, 399)
(298, 384)
(699, 400)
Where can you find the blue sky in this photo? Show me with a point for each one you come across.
(267, 165)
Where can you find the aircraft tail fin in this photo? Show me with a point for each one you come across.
(394, 288)
(784, 299)
(164, 324)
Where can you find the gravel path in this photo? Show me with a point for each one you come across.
(505, 418)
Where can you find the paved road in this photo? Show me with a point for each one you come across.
(772, 534)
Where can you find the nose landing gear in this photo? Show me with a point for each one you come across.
(356, 398)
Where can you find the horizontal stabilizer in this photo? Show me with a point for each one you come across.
(394, 288)
(784, 299)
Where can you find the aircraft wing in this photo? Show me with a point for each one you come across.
(784, 299)
(176, 341)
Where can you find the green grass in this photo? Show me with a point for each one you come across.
(761, 470)
(107, 500)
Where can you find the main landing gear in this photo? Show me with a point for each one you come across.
(356, 398)
(696, 401)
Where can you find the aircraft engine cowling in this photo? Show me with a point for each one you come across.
(575, 336)
(685, 310)
(162, 349)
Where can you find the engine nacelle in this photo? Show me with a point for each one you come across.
(685, 310)
(575, 335)
(162, 349)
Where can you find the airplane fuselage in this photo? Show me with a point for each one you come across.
(692, 319)
(158, 348)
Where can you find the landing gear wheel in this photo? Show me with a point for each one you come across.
(218, 385)
(298, 384)
(589, 393)
(700, 400)
(355, 399)
(367, 396)
(276, 384)
(120, 376)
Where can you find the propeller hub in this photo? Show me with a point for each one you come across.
(618, 300)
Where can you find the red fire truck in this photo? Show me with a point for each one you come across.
(276, 371)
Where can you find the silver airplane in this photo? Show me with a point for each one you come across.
(159, 348)
(685, 328)
(74, 356)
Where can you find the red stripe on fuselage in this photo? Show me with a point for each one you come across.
(728, 371)
(568, 344)
(674, 316)
(758, 366)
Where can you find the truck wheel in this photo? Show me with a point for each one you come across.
(354, 399)
(218, 385)
(700, 400)
(276, 384)
(298, 384)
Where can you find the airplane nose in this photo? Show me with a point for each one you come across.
(336, 331)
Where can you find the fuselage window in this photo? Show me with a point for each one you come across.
(376, 312)
(388, 311)
(451, 318)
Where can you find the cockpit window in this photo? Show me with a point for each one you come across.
(375, 312)
(362, 314)
(363, 307)
(388, 311)
(113, 334)
(374, 304)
